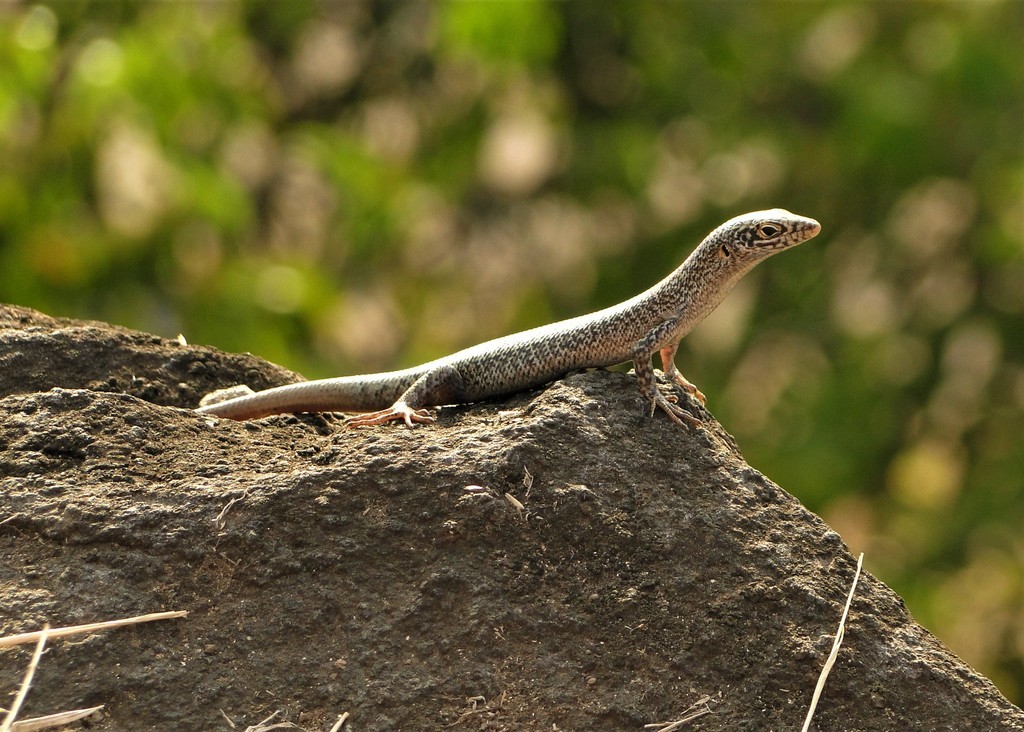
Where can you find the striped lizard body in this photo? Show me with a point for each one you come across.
(652, 322)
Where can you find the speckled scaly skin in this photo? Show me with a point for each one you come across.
(652, 322)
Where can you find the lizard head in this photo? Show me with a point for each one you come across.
(701, 282)
(755, 236)
(738, 245)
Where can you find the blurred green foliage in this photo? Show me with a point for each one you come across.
(349, 187)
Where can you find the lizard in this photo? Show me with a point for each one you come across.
(652, 322)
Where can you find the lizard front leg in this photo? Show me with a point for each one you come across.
(668, 365)
(442, 385)
(643, 354)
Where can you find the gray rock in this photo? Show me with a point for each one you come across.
(386, 573)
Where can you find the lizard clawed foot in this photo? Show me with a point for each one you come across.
(668, 404)
(399, 411)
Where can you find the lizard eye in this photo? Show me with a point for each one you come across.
(767, 231)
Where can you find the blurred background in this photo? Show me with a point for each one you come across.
(357, 186)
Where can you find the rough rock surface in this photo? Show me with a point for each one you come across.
(389, 573)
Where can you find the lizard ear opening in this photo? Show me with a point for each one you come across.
(724, 251)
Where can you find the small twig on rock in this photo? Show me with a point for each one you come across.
(474, 709)
(830, 661)
(219, 521)
(340, 723)
(12, 713)
(50, 721)
(691, 713)
(20, 638)
(264, 726)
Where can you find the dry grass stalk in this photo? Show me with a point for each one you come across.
(26, 682)
(265, 726)
(698, 709)
(21, 638)
(830, 662)
(221, 521)
(50, 721)
(341, 721)
(39, 637)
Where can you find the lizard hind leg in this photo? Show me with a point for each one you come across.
(441, 385)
